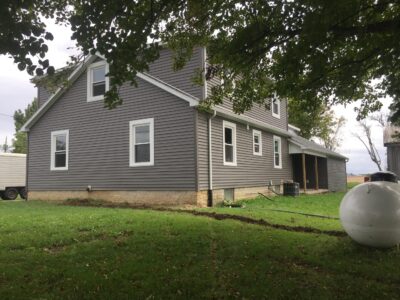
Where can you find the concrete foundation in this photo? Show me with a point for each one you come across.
(150, 198)
(242, 193)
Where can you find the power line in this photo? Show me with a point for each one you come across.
(6, 115)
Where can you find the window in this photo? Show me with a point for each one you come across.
(229, 136)
(59, 150)
(277, 152)
(97, 82)
(276, 107)
(257, 143)
(141, 143)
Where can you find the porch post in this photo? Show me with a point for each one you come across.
(316, 174)
(303, 158)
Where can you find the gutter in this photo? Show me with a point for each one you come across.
(251, 122)
(315, 152)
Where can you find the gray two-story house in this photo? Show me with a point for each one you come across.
(159, 148)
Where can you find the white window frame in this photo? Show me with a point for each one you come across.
(95, 65)
(279, 140)
(53, 150)
(232, 126)
(132, 125)
(276, 115)
(259, 134)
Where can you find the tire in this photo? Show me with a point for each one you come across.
(2, 195)
(23, 192)
(10, 194)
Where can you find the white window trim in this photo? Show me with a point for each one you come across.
(226, 124)
(277, 138)
(90, 98)
(132, 124)
(53, 150)
(257, 132)
(278, 115)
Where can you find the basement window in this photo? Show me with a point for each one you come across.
(141, 143)
(59, 150)
(257, 142)
(229, 139)
(97, 81)
(277, 152)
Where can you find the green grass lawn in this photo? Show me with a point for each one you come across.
(52, 251)
(284, 210)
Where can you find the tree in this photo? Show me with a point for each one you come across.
(314, 51)
(331, 134)
(369, 145)
(5, 147)
(23, 33)
(318, 122)
(381, 118)
(20, 118)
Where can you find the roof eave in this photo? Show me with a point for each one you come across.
(250, 121)
(324, 153)
(78, 71)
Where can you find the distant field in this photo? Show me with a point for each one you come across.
(358, 179)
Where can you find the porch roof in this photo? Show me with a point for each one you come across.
(302, 145)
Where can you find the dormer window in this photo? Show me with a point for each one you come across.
(276, 108)
(97, 81)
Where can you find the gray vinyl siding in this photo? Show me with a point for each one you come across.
(202, 151)
(257, 112)
(251, 170)
(181, 79)
(393, 158)
(99, 142)
(43, 95)
(337, 178)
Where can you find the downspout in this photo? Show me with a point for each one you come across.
(210, 166)
(27, 165)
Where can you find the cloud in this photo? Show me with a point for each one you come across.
(16, 91)
(359, 160)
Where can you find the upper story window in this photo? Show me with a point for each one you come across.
(141, 142)
(277, 152)
(59, 150)
(276, 107)
(257, 142)
(229, 139)
(97, 82)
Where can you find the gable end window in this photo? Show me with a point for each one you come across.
(276, 108)
(277, 152)
(97, 81)
(59, 150)
(229, 142)
(257, 142)
(141, 135)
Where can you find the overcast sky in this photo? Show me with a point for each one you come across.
(16, 92)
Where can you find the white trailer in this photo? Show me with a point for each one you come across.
(12, 175)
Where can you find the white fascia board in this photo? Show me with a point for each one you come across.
(193, 101)
(294, 127)
(306, 150)
(250, 121)
(78, 71)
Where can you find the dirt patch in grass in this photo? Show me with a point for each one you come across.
(261, 222)
(213, 215)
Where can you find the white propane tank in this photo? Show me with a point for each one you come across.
(370, 214)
